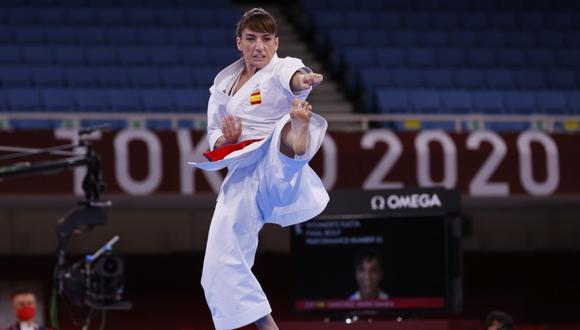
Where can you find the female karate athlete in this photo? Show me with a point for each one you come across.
(262, 130)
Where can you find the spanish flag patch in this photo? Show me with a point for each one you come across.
(255, 97)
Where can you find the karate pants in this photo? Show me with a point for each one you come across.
(265, 187)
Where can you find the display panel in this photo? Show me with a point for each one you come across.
(370, 263)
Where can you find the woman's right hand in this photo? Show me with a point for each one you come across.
(231, 129)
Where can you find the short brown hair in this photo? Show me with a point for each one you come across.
(258, 20)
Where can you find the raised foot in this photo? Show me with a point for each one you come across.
(299, 135)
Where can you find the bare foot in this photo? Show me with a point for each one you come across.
(299, 134)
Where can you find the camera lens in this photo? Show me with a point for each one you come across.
(110, 265)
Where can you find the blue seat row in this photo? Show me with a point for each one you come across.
(114, 16)
(116, 36)
(357, 57)
(442, 4)
(463, 20)
(117, 3)
(109, 55)
(485, 102)
(109, 100)
(105, 77)
(520, 39)
(371, 79)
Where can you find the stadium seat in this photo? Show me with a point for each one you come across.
(569, 59)
(151, 37)
(521, 40)
(561, 79)
(101, 56)
(531, 21)
(156, 100)
(417, 21)
(540, 59)
(80, 77)
(48, 77)
(171, 17)
(404, 78)
(217, 37)
(438, 78)
(176, 77)
(420, 58)
(502, 21)
(527, 79)
(459, 102)
(60, 36)
(110, 17)
(469, 79)
(491, 39)
(404, 38)
(144, 77)
(385, 57)
(109, 77)
(552, 103)
(340, 38)
(369, 38)
(520, 102)
(425, 101)
(37, 55)
(550, 40)
(224, 56)
(141, 17)
(9, 55)
(573, 99)
(433, 39)
(58, 100)
(361, 20)
(28, 36)
(480, 58)
(444, 21)
(204, 76)
(133, 56)
(15, 77)
(452, 58)
(462, 39)
(195, 56)
(91, 100)
(499, 79)
(91, 36)
(124, 100)
(488, 102)
(191, 100)
(388, 20)
(393, 101)
(183, 37)
(121, 36)
(163, 56)
(200, 18)
(511, 58)
(24, 100)
(69, 56)
(81, 16)
(359, 57)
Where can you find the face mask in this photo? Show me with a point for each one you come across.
(25, 313)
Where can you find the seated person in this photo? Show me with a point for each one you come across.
(498, 320)
(24, 306)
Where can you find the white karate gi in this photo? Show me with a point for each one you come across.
(262, 186)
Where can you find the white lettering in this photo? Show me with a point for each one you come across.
(154, 156)
(188, 153)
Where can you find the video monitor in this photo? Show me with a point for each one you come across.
(375, 263)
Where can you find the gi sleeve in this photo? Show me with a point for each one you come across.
(215, 113)
(286, 69)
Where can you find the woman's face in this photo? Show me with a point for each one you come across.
(257, 48)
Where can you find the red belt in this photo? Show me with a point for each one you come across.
(221, 152)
